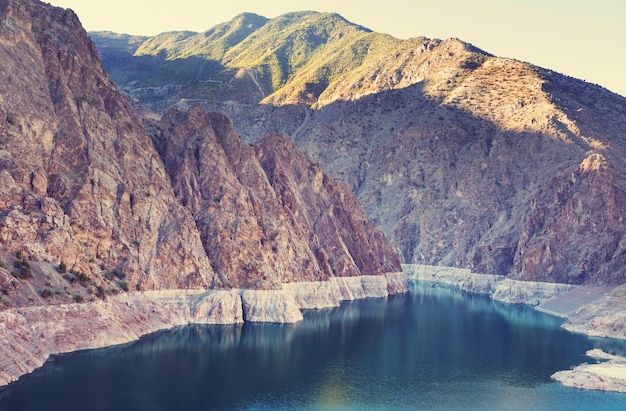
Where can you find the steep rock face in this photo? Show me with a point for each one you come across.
(217, 176)
(83, 185)
(266, 215)
(499, 177)
(576, 226)
(325, 211)
(81, 181)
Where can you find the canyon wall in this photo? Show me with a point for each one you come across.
(109, 232)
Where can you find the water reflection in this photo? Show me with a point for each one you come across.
(435, 348)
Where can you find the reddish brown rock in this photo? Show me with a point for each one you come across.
(81, 181)
(83, 184)
(88, 210)
(266, 215)
(325, 211)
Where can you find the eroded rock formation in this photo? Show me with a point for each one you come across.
(81, 181)
(83, 184)
(267, 215)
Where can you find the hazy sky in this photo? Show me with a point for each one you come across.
(582, 38)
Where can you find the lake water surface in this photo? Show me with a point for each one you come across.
(436, 348)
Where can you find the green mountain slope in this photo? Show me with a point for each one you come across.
(298, 58)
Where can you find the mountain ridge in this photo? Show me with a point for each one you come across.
(461, 157)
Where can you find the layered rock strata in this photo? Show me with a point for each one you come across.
(498, 287)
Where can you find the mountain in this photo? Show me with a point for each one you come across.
(111, 228)
(462, 158)
(84, 185)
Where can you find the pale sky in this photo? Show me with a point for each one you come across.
(585, 39)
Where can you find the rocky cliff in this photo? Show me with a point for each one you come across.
(81, 181)
(85, 190)
(108, 232)
(266, 214)
(462, 158)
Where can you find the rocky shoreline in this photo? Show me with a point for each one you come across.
(609, 375)
(30, 335)
(498, 287)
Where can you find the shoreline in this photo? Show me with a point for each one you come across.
(498, 287)
(30, 335)
(609, 375)
(603, 316)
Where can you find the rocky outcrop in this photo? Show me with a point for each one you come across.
(608, 375)
(267, 215)
(81, 181)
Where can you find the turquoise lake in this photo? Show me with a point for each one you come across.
(436, 348)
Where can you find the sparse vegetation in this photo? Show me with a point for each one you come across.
(78, 298)
(101, 292)
(291, 59)
(117, 273)
(22, 271)
(82, 278)
(62, 268)
(47, 293)
(10, 119)
(124, 285)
